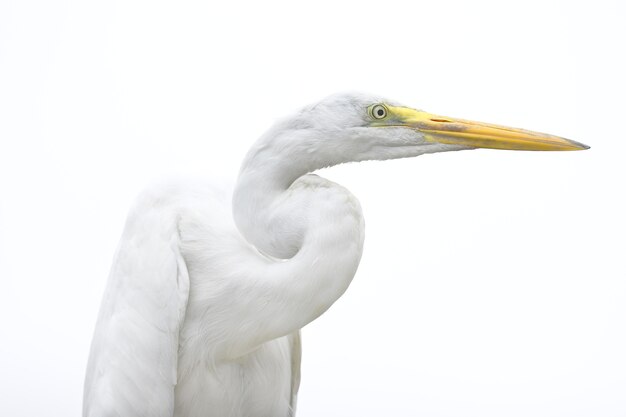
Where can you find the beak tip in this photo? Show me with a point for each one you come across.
(579, 146)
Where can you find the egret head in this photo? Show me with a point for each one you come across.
(367, 121)
(357, 127)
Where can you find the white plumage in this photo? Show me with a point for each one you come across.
(205, 299)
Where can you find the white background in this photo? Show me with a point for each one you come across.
(492, 284)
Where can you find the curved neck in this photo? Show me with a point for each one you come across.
(313, 225)
(266, 209)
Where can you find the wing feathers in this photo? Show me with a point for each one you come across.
(133, 362)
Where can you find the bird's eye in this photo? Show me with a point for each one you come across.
(379, 111)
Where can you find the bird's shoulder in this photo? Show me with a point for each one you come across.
(191, 209)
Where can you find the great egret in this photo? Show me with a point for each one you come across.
(205, 300)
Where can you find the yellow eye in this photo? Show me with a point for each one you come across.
(379, 111)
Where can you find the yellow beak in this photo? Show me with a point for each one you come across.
(452, 131)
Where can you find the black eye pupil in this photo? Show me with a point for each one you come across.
(380, 112)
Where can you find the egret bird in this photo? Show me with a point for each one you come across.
(208, 291)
